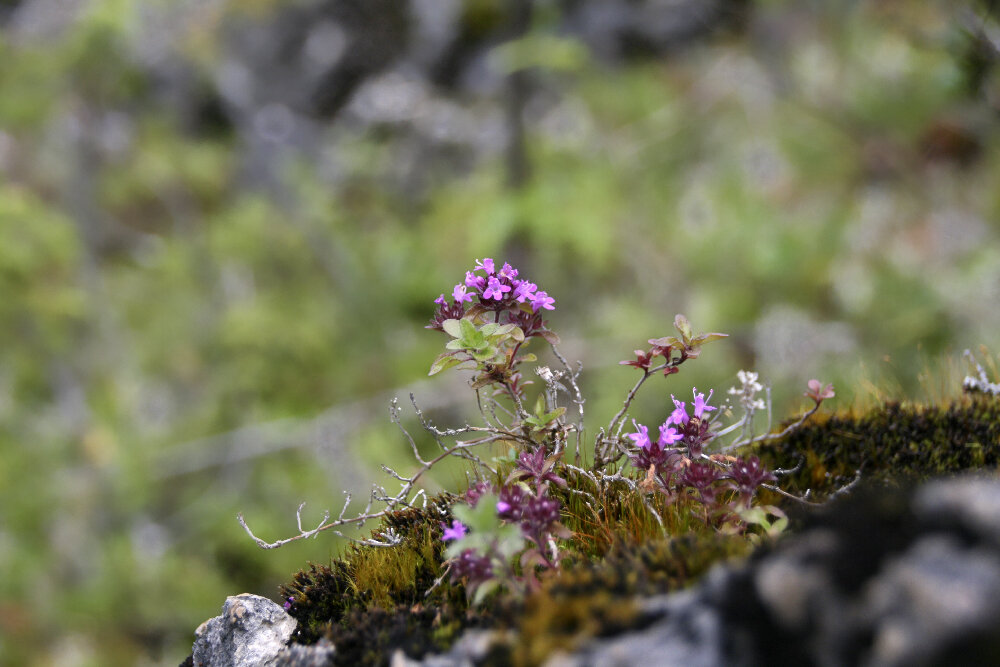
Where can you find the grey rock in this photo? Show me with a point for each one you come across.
(932, 596)
(470, 649)
(251, 632)
(319, 654)
(688, 634)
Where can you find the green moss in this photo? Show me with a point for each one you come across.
(372, 600)
(891, 442)
(595, 598)
(325, 599)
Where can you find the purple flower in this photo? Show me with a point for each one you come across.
(537, 516)
(473, 281)
(459, 294)
(495, 289)
(701, 404)
(477, 491)
(641, 437)
(441, 301)
(508, 271)
(542, 300)
(748, 474)
(288, 603)
(486, 265)
(701, 477)
(679, 416)
(511, 502)
(524, 290)
(668, 435)
(456, 532)
(472, 567)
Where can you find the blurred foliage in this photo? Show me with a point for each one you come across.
(176, 321)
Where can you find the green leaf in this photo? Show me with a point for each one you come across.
(683, 326)
(456, 344)
(485, 354)
(529, 357)
(755, 515)
(472, 338)
(482, 381)
(549, 336)
(453, 328)
(482, 518)
(444, 361)
(555, 414)
(701, 339)
(483, 590)
(666, 341)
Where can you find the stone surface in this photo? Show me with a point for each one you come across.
(251, 632)
(319, 654)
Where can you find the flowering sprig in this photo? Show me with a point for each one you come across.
(487, 290)
(504, 534)
(494, 525)
(677, 463)
(490, 316)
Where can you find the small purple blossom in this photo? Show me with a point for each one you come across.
(701, 477)
(524, 290)
(472, 281)
(641, 437)
(441, 301)
(508, 271)
(542, 300)
(288, 603)
(495, 289)
(679, 416)
(460, 295)
(668, 435)
(472, 567)
(747, 475)
(701, 403)
(486, 265)
(475, 492)
(456, 532)
(511, 502)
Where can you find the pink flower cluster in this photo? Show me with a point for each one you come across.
(495, 289)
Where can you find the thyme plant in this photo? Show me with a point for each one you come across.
(507, 529)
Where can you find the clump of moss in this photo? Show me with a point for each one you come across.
(386, 583)
(889, 443)
(597, 598)
(372, 601)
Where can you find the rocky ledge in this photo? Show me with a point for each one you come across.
(884, 577)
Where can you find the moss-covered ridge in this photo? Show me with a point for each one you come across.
(891, 442)
(374, 600)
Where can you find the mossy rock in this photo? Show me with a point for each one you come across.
(373, 601)
(890, 443)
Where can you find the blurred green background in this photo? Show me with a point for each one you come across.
(223, 224)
